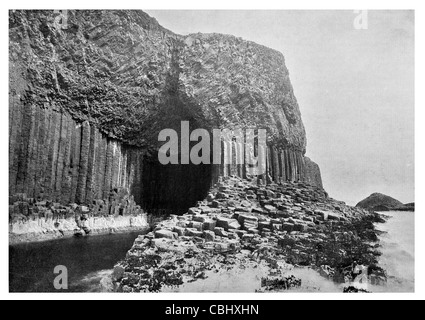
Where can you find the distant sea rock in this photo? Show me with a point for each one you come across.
(381, 202)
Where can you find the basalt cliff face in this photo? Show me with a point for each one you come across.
(89, 92)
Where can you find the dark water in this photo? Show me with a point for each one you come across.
(88, 260)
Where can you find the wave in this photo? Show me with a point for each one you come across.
(99, 281)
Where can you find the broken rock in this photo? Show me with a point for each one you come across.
(163, 233)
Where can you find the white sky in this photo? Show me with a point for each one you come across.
(355, 88)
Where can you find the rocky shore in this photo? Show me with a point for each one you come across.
(31, 220)
(268, 230)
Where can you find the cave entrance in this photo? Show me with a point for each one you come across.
(174, 188)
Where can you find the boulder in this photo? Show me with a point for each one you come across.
(283, 242)
(334, 216)
(245, 204)
(234, 245)
(241, 233)
(220, 232)
(289, 227)
(209, 235)
(140, 239)
(179, 230)
(209, 224)
(200, 218)
(248, 221)
(323, 215)
(248, 237)
(270, 208)
(282, 214)
(227, 223)
(233, 235)
(300, 227)
(221, 246)
(242, 209)
(196, 225)
(182, 224)
(118, 272)
(276, 226)
(164, 233)
(264, 224)
(79, 233)
(191, 232)
(258, 210)
(215, 204)
(84, 209)
(194, 211)
(234, 225)
(253, 231)
(206, 210)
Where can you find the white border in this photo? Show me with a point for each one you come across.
(218, 4)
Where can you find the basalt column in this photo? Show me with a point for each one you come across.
(55, 158)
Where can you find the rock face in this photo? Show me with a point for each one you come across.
(32, 220)
(381, 202)
(89, 93)
(52, 156)
(312, 174)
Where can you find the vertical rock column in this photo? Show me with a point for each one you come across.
(84, 163)
(283, 165)
(15, 119)
(29, 181)
(59, 161)
(52, 157)
(75, 160)
(67, 172)
(108, 168)
(275, 164)
(101, 165)
(225, 157)
(91, 169)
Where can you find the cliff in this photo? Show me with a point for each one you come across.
(89, 93)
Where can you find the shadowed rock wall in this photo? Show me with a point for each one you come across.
(53, 157)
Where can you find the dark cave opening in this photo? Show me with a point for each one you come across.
(174, 188)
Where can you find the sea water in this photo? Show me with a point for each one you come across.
(90, 261)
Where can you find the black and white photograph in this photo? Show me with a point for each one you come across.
(183, 151)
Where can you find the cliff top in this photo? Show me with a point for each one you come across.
(126, 74)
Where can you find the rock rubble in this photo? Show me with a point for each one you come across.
(243, 223)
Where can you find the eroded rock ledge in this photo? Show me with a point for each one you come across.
(32, 220)
(252, 233)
